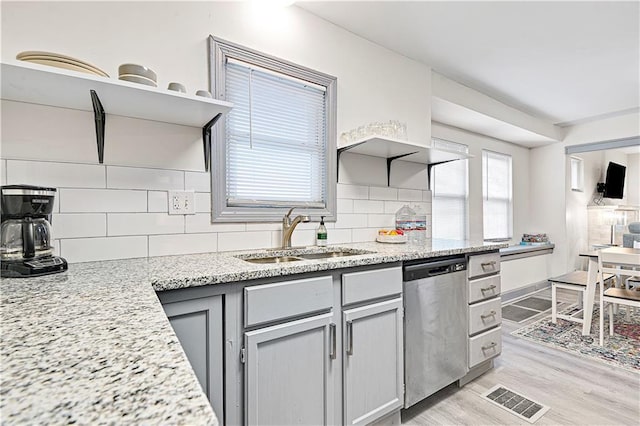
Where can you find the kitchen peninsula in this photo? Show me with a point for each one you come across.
(94, 344)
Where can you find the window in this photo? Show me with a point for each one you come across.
(450, 192)
(577, 174)
(276, 148)
(497, 206)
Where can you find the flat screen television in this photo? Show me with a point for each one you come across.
(614, 183)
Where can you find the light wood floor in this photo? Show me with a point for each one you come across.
(578, 390)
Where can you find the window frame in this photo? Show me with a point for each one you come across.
(576, 164)
(219, 51)
(485, 196)
(433, 179)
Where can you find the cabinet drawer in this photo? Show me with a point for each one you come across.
(271, 302)
(484, 315)
(368, 285)
(484, 264)
(485, 346)
(484, 288)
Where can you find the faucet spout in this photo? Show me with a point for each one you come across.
(288, 226)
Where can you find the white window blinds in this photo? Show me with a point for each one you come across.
(497, 195)
(450, 193)
(276, 139)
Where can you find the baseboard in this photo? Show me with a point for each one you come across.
(476, 372)
(516, 293)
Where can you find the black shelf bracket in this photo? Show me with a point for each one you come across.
(429, 166)
(206, 140)
(389, 161)
(340, 151)
(100, 119)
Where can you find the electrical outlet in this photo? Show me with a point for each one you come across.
(182, 202)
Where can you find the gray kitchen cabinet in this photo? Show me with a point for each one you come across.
(289, 377)
(373, 361)
(198, 323)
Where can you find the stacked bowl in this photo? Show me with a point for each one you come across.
(137, 74)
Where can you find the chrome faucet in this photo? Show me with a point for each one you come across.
(288, 226)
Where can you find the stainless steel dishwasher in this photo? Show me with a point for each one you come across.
(435, 325)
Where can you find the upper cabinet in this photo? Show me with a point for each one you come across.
(43, 85)
(395, 149)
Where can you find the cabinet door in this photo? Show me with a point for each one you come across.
(289, 373)
(373, 361)
(198, 325)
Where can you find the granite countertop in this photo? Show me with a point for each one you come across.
(93, 345)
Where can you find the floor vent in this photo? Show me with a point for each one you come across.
(516, 404)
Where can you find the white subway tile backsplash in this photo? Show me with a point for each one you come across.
(74, 225)
(197, 181)
(3, 172)
(201, 222)
(144, 224)
(56, 247)
(339, 236)
(244, 240)
(166, 245)
(391, 207)
(368, 206)
(102, 200)
(109, 248)
(203, 202)
(138, 178)
(300, 238)
(158, 201)
(355, 192)
(264, 226)
(364, 234)
(409, 194)
(348, 220)
(382, 220)
(344, 206)
(57, 175)
(383, 193)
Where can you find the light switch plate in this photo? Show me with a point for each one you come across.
(182, 202)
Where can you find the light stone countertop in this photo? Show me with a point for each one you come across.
(92, 345)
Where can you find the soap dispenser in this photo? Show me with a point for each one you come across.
(321, 234)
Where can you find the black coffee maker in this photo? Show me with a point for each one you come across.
(26, 243)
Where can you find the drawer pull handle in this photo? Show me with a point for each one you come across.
(332, 337)
(349, 337)
(489, 346)
(490, 314)
(490, 288)
(491, 264)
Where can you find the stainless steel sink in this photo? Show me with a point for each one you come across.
(327, 255)
(273, 259)
(285, 256)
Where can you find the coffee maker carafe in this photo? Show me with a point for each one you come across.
(26, 244)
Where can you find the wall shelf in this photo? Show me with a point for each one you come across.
(43, 85)
(395, 149)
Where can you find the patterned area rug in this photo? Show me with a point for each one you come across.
(621, 350)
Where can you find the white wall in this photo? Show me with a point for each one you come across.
(374, 84)
(633, 180)
(520, 167)
(549, 185)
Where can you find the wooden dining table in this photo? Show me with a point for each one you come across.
(592, 278)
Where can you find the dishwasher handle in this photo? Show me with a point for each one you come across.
(433, 269)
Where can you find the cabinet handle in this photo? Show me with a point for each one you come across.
(490, 288)
(349, 337)
(332, 338)
(487, 264)
(489, 346)
(490, 314)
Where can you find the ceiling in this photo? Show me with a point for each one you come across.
(564, 62)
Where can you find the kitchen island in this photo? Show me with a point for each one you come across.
(93, 345)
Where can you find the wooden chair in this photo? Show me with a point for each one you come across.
(619, 261)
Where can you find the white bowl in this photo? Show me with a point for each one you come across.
(140, 70)
(138, 79)
(177, 87)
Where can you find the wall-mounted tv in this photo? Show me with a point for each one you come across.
(614, 183)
